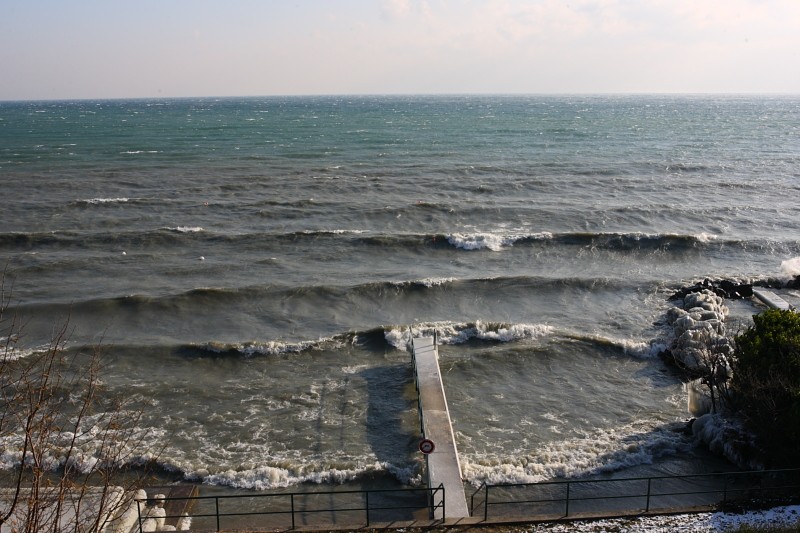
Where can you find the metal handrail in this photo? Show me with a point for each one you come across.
(726, 490)
(293, 512)
(416, 384)
(483, 487)
(441, 502)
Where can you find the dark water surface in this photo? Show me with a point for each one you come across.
(252, 267)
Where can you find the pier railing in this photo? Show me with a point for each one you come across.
(618, 497)
(416, 379)
(352, 508)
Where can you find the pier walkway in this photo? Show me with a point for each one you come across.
(443, 466)
(771, 299)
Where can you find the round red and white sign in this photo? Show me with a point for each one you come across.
(426, 446)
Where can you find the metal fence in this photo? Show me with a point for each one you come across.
(553, 500)
(617, 497)
(353, 508)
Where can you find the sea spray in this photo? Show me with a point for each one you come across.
(791, 267)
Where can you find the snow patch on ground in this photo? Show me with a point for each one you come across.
(695, 523)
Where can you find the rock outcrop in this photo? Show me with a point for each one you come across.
(698, 334)
(698, 345)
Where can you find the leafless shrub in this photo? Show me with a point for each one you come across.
(70, 452)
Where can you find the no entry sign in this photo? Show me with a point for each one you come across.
(426, 446)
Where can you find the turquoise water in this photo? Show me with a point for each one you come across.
(252, 266)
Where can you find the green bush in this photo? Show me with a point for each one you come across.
(766, 382)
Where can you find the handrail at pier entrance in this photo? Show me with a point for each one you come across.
(700, 490)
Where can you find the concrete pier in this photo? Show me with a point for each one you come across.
(771, 299)
(442, 464)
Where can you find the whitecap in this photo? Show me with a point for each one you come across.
(425, 282)
(634, 347)
(459, 333)
(479, 241)
(255, 348)
(12, 353)
(705, 237)
(435, 282)
(104, 200)
(186, 229)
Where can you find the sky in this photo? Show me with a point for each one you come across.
(54, 49)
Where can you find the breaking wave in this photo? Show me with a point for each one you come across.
(271, 477)
(491, 241)
(459, 333)
(368, 292)
(613, 241)
(100, 201)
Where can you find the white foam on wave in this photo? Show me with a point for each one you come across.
(95, 201)
(705, 237)
(335, 232)
(11, 352)
(136, 152)
(425, 282)
(604, 450)
(633, 347)
(480, 241)
(435, 282)
(271, 477)
(88, 448)
(492, 241)
(185, 229)
(459, 333)
(254, 348)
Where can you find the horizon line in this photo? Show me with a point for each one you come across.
(410, 94)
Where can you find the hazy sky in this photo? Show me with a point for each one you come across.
(112, 49)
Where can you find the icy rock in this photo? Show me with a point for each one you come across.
(698, 330)
(184, 523)
(131, 514)
(724, 437)
(675, 313)
(684, 323)
(699, 402)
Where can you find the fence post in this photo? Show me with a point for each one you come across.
(291, 497)
(725, 490)
(139, 510)
(444, 501)
(566, 507)
(216, 506)
(366, 494)
(486, 504)
(647, 506)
